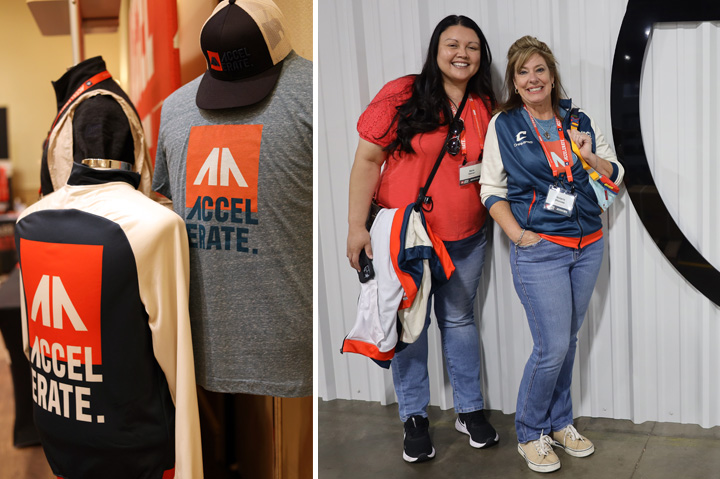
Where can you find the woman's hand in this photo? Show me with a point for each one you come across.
(529, 238)
(500, 212)
(357, 240)
(584, 143)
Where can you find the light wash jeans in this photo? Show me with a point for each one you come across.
(555, 284)
(453, 304)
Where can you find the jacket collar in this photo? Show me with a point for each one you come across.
(66, 85)
(565, 105)
(82, 175)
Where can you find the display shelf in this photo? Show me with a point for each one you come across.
(97, 16)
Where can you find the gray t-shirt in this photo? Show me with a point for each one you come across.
(242, 179)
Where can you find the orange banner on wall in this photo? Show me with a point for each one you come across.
(154, 60)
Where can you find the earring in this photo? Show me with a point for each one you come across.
(553, 85)
(516, 91)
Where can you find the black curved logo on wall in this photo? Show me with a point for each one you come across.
(625, 112)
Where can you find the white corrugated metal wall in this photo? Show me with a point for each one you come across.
(647, 350)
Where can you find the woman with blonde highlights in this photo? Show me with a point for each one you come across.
(535, 187)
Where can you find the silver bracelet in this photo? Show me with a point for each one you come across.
(522, 233)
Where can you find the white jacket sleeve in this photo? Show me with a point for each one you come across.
(493, 179)
(164, 276)
(605, 151)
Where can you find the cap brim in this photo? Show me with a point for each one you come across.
(214, 94)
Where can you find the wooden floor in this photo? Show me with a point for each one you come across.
(25, 463)
(256, 444)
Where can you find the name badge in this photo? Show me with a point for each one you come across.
(560, 201)
(470, 172)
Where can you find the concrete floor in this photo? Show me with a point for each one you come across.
(358, 439)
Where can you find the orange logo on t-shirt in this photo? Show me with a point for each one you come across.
(62, 300)
(223, 162)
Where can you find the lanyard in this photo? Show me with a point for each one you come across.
(94, 80)
(563, 145)
(476, 122)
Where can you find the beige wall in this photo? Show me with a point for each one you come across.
(193, 13)
(29, 63)
(299, 17)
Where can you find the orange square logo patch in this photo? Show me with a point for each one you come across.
(214, 61)
(62, 300)
(223, 162)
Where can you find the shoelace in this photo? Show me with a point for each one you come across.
(574, 435)
(543, 446)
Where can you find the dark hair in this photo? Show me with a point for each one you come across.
(518, 54)
(428, 106)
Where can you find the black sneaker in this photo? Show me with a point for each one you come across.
(417, 446)
(481, 432)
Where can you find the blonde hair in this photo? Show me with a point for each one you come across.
(518, 54)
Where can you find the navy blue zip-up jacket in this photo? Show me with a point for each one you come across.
(515, 169)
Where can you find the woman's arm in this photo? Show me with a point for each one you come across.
(364, 177)
(501, 213)
(493, 191)
(604, 156)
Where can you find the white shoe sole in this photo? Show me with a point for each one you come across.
(422, 458)
(575, 452)
(459, 426)
(538, 467)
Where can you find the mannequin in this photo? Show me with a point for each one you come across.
(105, 325)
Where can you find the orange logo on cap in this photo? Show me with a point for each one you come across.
(214, 61)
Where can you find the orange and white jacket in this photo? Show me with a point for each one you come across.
(407, 257)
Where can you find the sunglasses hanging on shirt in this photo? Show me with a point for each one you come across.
(453, 142)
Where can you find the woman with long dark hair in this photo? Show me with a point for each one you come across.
(402, 132)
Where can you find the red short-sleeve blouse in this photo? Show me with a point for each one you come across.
(457, 210)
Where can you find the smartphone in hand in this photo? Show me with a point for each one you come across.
(366, 272)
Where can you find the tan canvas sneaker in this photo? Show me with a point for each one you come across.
(539, 455)
(573, 442)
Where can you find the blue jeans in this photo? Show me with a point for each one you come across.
(454, 310)
(555, 284)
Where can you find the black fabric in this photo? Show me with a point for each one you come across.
(100, 127)
(239, 47)
(24, 432)
(84, 175)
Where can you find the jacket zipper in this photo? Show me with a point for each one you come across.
(577, 220)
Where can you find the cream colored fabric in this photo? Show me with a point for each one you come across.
(413, 318)
(60, 144)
